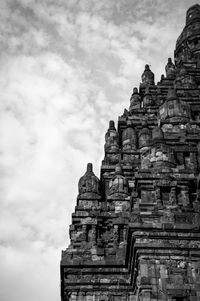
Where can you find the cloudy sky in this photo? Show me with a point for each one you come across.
(66, 68)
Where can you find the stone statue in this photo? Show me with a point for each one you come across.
(159, 97)
(148, 76)
(144, 135)
(170, 69)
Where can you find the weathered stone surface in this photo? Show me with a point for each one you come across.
(147, 76)
(88, 185)
(135, 101)
(170, 69)
(135, 233)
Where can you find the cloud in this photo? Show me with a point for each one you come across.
(67, 68)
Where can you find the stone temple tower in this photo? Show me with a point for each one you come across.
(135, 232)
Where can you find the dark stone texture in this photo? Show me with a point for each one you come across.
(135, 233)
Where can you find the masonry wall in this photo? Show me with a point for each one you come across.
(135, 232)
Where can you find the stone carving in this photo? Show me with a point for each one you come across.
(88, 185)
(188, 45)
(159, 97)
(144, 135)
(129, 138)
(170, 69)
(158, 155)
(172, 197)
(136, 218)
(174, 108)
(135, 101)
(147, 76)
(118, 185)
(184, 80)
(183, 196)
(111, 138)
(147, 99)
(135, 233)
(131, 159)
(112, 158)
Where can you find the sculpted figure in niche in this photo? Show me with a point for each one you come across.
(88, 184)
(118, 184)
(147, 76)
(170, 69)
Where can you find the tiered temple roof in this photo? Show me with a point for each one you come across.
(135, 232)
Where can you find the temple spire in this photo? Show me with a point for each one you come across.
(147, 76)
(188, 44)
(193, 14)
(135, 233)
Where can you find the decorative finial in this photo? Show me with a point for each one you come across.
(135, 90)
(88, 185)
(111, 125)
(89, 167)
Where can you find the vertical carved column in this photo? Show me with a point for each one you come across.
(124, 234)
(158, 196)
(180, 158)
(183, 198)
(194, 160)
(198, 157)
(163, 280)
(115, 235)
(185, 194)
(94, 234)
(85, 235)
(172, 196)
(145, 295)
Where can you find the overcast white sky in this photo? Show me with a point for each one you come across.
(66, 68)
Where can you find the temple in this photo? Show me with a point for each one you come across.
(135, 232)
